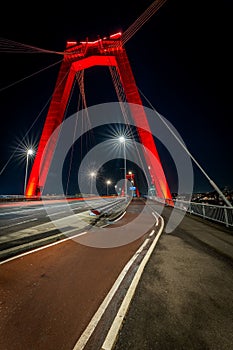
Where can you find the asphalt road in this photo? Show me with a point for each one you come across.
(27, 225)
(184, 299)
(49, 296)
(15, 216)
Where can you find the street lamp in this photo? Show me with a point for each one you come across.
(29, 153)
(92, 175)
(122, 140)
(108, 182)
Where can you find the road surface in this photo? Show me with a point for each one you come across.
(48, 297)
(184, 299)
(27, 225)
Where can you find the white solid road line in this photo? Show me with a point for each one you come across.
(152, 232)
(43, 247)
(18, 223)
(19, 217)
(156, 217)
(57, 213)
(110, 339)
(109, 223)
(112, 334)
(116, 325)
(82, 341)
(120, 217)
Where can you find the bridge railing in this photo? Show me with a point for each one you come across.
(218, 213)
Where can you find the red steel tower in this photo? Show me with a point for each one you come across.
(79, 56)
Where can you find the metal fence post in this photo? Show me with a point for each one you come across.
(203, 210)
(226, 217)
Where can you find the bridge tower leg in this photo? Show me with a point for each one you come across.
(139, 116)
(105, 52)
(54, 118)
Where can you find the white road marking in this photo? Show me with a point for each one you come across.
(18, 223)
(44, 247)
(99, 313)
(57, 213)
(42, 206)
(110, 222)
(82, 341)
(120, 217)
(116, 325)
(20, 211)
(156, 217)
(20, 217)
(152, 232)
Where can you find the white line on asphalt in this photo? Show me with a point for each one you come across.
(110, 222)
(42, 206)
(116, 325)
(57, 213)
(152, 232)
(82, 341)
(156, 217)
(44, 247)
(18, 223)
(120, 217)
(80, 207)
(20, 217)
(20, 211)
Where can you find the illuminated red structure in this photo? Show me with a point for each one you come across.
(134, 188)
(77, 57)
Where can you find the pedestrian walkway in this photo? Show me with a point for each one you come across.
(184, 298)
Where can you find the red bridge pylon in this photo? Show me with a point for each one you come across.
(80, 56)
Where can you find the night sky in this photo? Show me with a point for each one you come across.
(181, 59)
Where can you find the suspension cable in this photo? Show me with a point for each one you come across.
(34, 122)
(72, 148)
(122, 98)
(140, 21)
(10, 46)
(188, 152)
(31, 75)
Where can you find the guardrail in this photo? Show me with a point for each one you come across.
(218, 213)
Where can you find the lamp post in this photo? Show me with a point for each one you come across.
(122, 140)
(108, 182)
(29, 153)
(92, 175)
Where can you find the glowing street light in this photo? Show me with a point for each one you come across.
(108, 182)
(30, 152)
(123, 140)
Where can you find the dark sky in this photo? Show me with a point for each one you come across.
(181, 59)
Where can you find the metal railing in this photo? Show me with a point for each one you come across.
(218, 213)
